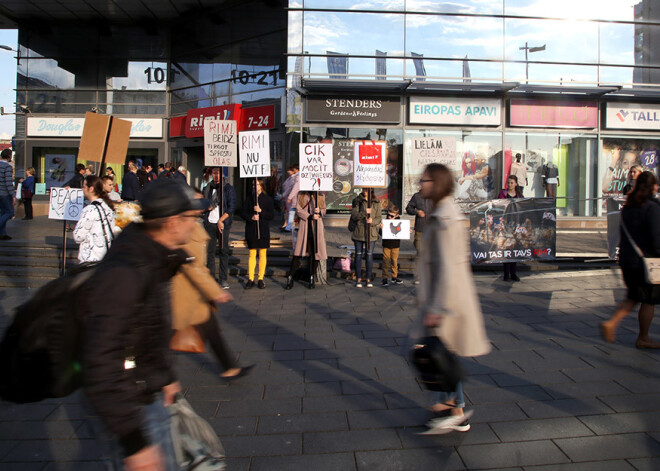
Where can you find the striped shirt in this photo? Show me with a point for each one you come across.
(6, 179)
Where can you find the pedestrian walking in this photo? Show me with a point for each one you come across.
(640, 231)
(257, 212)
(94, 229)
(217, 223)
(27, 192)
(128, 369)
(391, 249)
(7, 192)
(447, 297)
(512, 190)
(311, 235)
(366, 213)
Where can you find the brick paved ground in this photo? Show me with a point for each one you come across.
(331, 390)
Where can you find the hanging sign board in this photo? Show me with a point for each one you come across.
(254, 153)
(370, 164)
(65, 204)
(220, 148)
(316, 167)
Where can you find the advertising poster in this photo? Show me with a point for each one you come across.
(423, 151)
(619, 156)
(370, 164)
(66, 204)
(342, 194)
(316, 167)
(396, 229)
(59, 169)
(220, 138)
(614, 206)
(254, 153)
(513, 230)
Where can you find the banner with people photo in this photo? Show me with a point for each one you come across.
(619, 156)
(513, 230)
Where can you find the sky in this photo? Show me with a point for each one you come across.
(8, 37)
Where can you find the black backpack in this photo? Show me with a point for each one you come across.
(40, 353)
(438, 368)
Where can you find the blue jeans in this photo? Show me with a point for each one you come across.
(359, 252)
(290, 217)
(438, 397)
(6, 212)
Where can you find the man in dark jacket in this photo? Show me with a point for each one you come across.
(77, 179)
(130, 185)
(127, 363)
(421, 208)
(218, 223)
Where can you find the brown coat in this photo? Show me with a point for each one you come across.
(302, 211)
(193, 288)
(446, 285)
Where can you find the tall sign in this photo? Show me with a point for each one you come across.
(632, 116)
(254, 153)
(370, 164)
(220, 143)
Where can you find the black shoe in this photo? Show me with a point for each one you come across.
(249, 284)
(506, 278)
(397, 281)
(289, 282)
(5, 237)
(385, 282)
(244, 372)
(261, 284)
(515, 278)
(312, 282)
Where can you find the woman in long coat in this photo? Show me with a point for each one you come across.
(311, 234)
(257, 215)
(447, 296)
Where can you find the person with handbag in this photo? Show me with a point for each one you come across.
(94, 229)
(640, 238)
(195, 293)
(446, 296)
(27, 191)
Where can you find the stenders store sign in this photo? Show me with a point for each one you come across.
(325, 109)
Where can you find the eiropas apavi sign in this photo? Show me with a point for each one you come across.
(476, 112)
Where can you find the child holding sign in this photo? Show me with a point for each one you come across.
(257, 212)
(391, 252)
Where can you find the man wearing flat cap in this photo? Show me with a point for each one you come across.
(127, 365)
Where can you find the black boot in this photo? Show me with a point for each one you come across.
(289, 282)
(311, 282)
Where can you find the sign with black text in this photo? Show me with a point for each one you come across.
(332, 109)
(316, 167)
(65, 204)
(220, 138)
(254, 153)
(370, 164)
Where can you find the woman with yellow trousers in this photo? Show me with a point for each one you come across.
(258, 212)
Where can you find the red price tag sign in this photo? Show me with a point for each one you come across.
(371, 154)
(260, 117)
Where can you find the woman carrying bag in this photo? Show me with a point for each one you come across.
(94, 229)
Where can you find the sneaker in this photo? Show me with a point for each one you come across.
(449, 423)
(416, 282)
(515, 278)
(385, 282)
(358, 284)
(224, 285)
(397, 281)
(369, 284)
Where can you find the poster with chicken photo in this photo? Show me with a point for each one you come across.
(396, 229)
(513, 230)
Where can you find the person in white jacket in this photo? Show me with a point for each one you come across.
(94, 230)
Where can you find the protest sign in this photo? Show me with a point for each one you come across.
(396, 229)
(513, 230)
(614, 206)
(65, 204)
(370, 164)
(254, 153)
(220, 149)
(104, 139)
(316, 167)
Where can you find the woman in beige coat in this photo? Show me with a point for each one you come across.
(194, 294)
(311, 234)
(447, 295)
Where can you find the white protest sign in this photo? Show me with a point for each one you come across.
(254, 152)
(65, 204)
(316, 167)
(370, 164)
(396, 229)
(433, 150)
(220, 143)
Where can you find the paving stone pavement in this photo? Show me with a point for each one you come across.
(332, 390)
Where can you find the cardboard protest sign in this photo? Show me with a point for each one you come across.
(370, 164)
(65, 204)
(220, 143)
(316, 167)
(396, 229)
(254, 153)
(513, 230)
(102, 134)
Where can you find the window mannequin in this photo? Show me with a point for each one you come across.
(550, 174)
(519, 169)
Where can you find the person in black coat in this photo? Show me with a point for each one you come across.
(257, 217)
(640, 218)
(130, 185)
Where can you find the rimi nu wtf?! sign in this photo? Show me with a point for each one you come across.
(254, 153)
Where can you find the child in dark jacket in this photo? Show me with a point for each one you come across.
(391, 251)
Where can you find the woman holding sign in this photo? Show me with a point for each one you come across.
(366, 213)
(257, 212)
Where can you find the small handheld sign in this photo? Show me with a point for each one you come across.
(396, 229)
(65, 205)
(254, 154)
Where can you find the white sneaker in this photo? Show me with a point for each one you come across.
(452, 423)
(370, 284)
(358, 284)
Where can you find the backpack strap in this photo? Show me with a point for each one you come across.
(104, 222)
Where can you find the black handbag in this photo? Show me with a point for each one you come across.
(437, 367)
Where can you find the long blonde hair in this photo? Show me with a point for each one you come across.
(305, 196)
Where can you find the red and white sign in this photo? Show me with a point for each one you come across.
(370, 164)
(553, 114)
(260, 117)
(195, 118)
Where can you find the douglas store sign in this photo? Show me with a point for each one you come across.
(352, 110)
(632, 116)
(475, 112)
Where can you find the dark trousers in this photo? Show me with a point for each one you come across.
(509, 269)
(218, 239)
(27, 204)
(210, 331)
(297, 261)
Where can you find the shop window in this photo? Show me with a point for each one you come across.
(54, 165)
